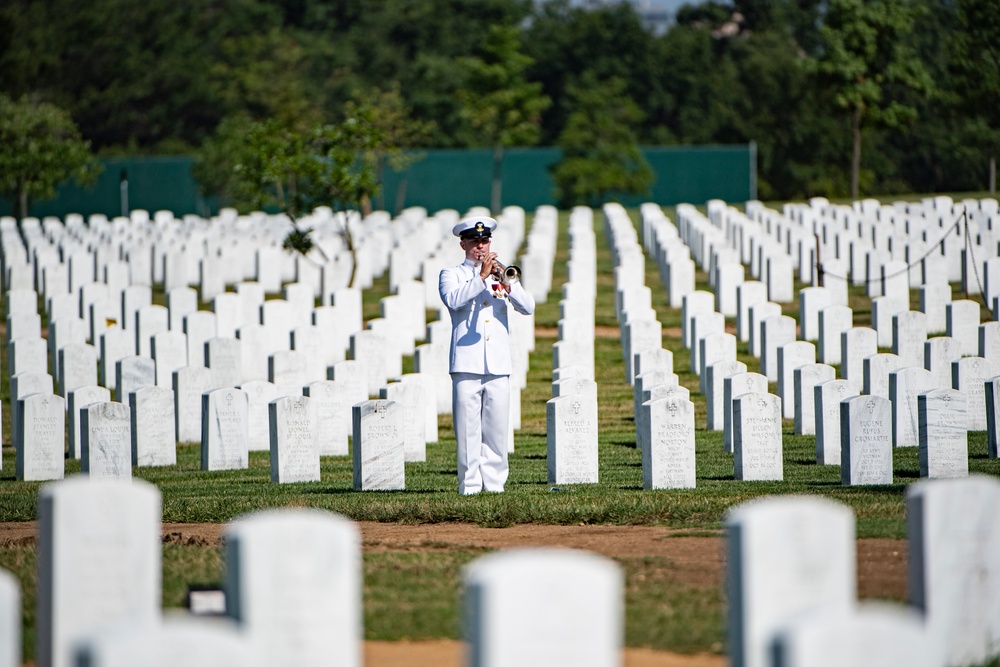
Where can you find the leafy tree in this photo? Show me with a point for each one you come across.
(40, 147)
(417, 44)
(500, 102)
(134, 74)
(976, 50)
(601, 156)
(869, 63)
(564, 41)
(396, 130)
(270, 165)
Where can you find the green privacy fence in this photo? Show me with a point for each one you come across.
(456, 179)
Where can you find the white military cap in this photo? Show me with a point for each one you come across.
(476, 227)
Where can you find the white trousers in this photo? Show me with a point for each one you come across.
(481, 407)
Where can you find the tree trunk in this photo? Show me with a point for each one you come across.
(379, 173)
(496, 191)
(400, 195)
(856, 152)
(23, 203)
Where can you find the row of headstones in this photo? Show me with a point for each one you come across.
(953, 241)
(796, 370)
(907, 335)
(324, 338)
(883, 252)
(663, 411)
(571, 415)
(285, 325)
(76, 254)
(135, 372)
(226, 249)
(113, 437)
(890, 302)
(791, 589)
(288, 371)
(82, 298)
(292, 592)
(791, 582)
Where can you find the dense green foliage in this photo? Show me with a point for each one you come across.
(150, 75)
(601, 158)
(40, 146)
(499, 102)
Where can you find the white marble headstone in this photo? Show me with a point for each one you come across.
(411, 397)
(905, 384)
(41, 437)
(189, 383)
(939, 352)
(332, 428)
(178, 640)
(757, 437)
(791, 356)
(668, 462)
(806, 379)
(833, 321)
(571, 440)
(133, 373)
(224, 429)
(733, 386)
(544, 607)
(943, 434)
(99, 550)
(785, 556)
(865, 441)
(856, 344)
(154, 423)
(294, 440)
(224, 357)
(954, 574)
(969, 376)
(378, 447)
(992, 415)
(106, 434)
(78, 398)
(872, 635)
(10, 620)
(259, 393)
(714, 391)
(294, 583)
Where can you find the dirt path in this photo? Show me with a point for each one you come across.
(697, 559)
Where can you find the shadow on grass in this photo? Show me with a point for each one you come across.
(342, 491)
(883, 489)
(804, 461)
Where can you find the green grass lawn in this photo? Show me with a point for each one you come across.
(415, 595)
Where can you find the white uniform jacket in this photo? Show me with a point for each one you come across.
(480, 340)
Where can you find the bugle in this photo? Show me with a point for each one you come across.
(507, 274)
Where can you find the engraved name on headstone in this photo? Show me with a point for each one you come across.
(757, 446)
(943, 433)
(866, 441)
(294, 442)
(378, 446)
(106, 433)
(224, 432)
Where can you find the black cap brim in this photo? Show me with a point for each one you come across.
(474, 234)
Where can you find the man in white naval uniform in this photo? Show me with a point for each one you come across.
(480, 360)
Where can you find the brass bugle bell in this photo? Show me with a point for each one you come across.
(508, 274)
